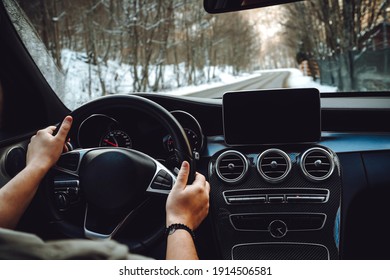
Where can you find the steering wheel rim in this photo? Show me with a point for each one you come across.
(131, 157)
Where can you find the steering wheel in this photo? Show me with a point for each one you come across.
(114, 183)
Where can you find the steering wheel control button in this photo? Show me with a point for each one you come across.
(62, 201)
(277, 229)
(66, 193)
(162, 181)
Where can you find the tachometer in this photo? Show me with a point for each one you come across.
(116, 138)
(193, 138)
(195, 142)
(191, 128)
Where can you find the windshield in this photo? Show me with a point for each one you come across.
(174, 47)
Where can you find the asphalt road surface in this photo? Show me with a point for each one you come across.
(266, 80)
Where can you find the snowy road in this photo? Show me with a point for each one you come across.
(276, 79)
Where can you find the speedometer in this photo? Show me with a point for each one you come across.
(116, 138)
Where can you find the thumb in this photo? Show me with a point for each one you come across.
(65, 127)
(182, 177)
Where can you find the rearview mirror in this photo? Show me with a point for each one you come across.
(222, 6)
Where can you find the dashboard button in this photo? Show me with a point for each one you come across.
(275, 199)
(253, 199)
(246, 199)
(305, 199)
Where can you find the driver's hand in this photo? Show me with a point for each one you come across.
(45, 149)
(188, 204)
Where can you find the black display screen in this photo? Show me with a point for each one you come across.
(272, 116)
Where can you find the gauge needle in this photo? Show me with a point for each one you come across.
(110, 143)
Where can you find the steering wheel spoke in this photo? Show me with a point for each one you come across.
(163, 180)
(101, 224)
(70, 162)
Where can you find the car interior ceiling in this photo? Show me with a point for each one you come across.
(359, 138)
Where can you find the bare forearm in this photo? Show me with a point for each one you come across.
(17, 194)
(180, 246)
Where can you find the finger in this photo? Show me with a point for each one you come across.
(207, 187)
(65, 149)
(182, 177)
(50, 129)
(199, 179)
(65, 127)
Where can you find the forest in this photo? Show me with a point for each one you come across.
(341, 36)
(148, 35)
(348, 38)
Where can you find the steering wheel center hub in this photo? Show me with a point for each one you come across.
(112, 178)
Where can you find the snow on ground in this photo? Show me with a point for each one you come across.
(297, 79)
(82, 82)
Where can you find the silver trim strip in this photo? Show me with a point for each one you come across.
(289, 192)
(95, 235)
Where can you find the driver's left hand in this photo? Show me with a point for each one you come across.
(45, 148)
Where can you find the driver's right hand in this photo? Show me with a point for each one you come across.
(188, 204)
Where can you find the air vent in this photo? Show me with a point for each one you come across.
(273, 165)
(15, 161)
(317, 164)
(231, 166)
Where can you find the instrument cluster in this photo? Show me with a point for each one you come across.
(110, 130)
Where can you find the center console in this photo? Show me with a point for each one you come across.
(276, 203)
(275, 194)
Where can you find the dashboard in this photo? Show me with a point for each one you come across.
(254, 214)
(265, 201)
(268, 201)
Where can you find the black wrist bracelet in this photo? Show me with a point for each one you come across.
(173, 227)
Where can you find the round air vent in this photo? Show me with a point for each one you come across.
(231, 166)
(273, 165)
(15, 161)
(317, 164)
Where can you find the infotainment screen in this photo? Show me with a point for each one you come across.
(272, 116)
